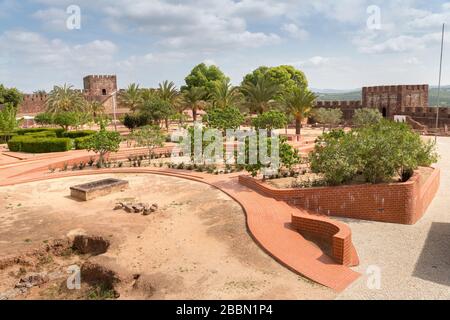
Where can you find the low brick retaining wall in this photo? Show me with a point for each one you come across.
(338, 235)
(402, 203)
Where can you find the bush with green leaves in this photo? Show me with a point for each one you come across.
(103, 142)
(224, 118)
(377, 153)
(78, 134)
(270, 120)
(45, 118)
(367, 117)
(150, 137)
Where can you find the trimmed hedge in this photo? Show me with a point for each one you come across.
(80, 143)
(58, 131)
(41, 134)
(78, 134)
(32, 144)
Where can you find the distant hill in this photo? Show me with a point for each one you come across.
(332, 95)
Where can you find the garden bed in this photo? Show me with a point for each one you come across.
(403, 203)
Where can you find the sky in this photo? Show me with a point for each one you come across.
(343, 44)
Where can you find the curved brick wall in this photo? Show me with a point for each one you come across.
(338, 235)
(403, 203)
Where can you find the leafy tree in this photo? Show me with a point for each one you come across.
(10, 96)
(299, 102)
(65, 99)
(284, 77)
(103, 142)
(156, 109)
(270, 120)
(224, 118)
(203, 76)
(44, 118)
(330, 117)
(149, 137)
(224, 94)
(193, 98)
(131, 98)
(71, 119)
(8, 121)
(260, 96)
(367, 117)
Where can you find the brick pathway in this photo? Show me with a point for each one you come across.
(268, 220)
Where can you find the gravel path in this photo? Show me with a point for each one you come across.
(414, 261)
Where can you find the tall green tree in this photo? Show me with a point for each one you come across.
(65, 99)
(224, 118)
(328, 117)
(131, 98)
(203, 76)
(224, 94)
(194, 99)
(11, 96)
(260, 96)
(169, 92)
(299, 102)
(284, 76)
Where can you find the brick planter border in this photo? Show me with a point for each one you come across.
(401, 203)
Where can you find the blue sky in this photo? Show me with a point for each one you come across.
(148, 41)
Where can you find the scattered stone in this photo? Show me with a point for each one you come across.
(32, 280)
(143, 208)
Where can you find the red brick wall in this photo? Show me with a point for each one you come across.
(403, 203)
(338, 235)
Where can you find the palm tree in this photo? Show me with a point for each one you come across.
(131, 98)
(193, 98)
(260, 96)
(168, 92)
(65, 99)
(95, 108)
(299, 103)
(224, 94)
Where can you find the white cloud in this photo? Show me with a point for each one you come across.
(36, 50)
(294, 31)
(316, 61)
(52, 18)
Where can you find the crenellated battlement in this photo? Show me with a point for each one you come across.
(350, 104)
(395, 88)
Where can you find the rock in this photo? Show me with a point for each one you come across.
(155, 205)
(128, 208)
(90, 244)
(32, 280)
(119, 206)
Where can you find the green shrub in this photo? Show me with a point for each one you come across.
(5, 137)
(78, 134)
(377, 153)
(367, 117)
(41, 134)
(58, 131)
(81, 143)
(32, 144)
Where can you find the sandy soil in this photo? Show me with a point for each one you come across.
(195, 247)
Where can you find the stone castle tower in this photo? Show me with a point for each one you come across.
(100, 85)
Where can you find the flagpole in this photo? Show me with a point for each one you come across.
(439, 86)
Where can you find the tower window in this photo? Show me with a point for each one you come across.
(104, 92)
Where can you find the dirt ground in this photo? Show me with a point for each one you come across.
(195, 246)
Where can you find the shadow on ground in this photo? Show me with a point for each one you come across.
(434, 261)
